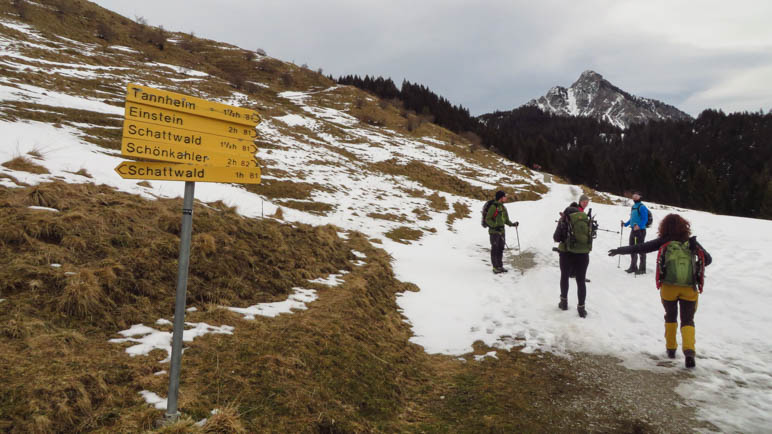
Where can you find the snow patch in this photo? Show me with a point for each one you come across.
(296, 301)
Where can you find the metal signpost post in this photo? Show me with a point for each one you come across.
(179, 304)
(216, 142)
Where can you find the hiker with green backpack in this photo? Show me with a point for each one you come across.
(575, 232)
(680, 277)
(495, 216)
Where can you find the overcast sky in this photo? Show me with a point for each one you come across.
(497, 55)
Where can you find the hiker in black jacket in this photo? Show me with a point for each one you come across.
(675, 232)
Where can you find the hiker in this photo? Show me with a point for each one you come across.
(584, 200)
(575, 232)
(680, 271)
(495, 218)
(639, 218)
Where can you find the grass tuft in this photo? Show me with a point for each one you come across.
(225, 420)
(404, 234)
(24, 164)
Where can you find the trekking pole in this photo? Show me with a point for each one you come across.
(518, 240)
(619, 260)
(608, 230)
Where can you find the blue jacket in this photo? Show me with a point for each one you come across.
(638, 218)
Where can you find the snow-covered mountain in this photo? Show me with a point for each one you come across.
(593, 96)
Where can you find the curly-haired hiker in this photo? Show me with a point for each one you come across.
(680, 271)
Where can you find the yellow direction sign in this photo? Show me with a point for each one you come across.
(170, 118)
(174, 136)
(189, 154)
(187, 172)
(190, 104)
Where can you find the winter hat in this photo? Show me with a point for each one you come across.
(584, 197)
(500, 194)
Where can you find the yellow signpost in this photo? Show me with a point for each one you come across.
(170, 118)
(174, 136)
(216, 140)
(187, 172)
(190, 104)
(189, 154)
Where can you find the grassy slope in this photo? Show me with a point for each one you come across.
(345, 365)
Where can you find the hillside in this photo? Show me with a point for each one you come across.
(349, 292)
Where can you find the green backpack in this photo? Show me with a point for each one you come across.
(676, 264)
(580, 233)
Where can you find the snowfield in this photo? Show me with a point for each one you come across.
(460, 301)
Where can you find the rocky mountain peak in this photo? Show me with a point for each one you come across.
(593, 96)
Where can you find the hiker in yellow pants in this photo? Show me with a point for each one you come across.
(680, 271)
(673, 296)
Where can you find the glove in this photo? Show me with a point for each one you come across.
(516, 224)
(621, 223)
(613, 252)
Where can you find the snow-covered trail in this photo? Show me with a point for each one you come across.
(461, 302)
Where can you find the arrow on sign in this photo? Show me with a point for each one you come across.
(137, 130)
(186, 172)
(185, 154)
(190, 104)
(185, 121)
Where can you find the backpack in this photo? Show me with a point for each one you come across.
(582, 229)
(678, 265)
(485, 212)
(650, 218)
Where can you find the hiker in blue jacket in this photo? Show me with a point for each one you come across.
(639, 216)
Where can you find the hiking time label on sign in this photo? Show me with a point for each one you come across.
(184, 154)
(186, 172)
(192, 105)
(143, 131)
(170, 118)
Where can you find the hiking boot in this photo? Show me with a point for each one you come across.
(690, 361)
(582, 312)
(563, 305)
(641, 271)
(670, 354)
(496, 270)
(503, 270)
(631, 270)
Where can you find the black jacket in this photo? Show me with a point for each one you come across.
(655, 244)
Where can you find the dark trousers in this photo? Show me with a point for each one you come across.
(637, 237)
(576, 264)
(497, 249)
(687, 311)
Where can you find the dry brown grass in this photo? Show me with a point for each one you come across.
(404, 234)
(432, 178)
(318, 208)
(387, 216)
(26, 165)
(274, 188)
(460, 211)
